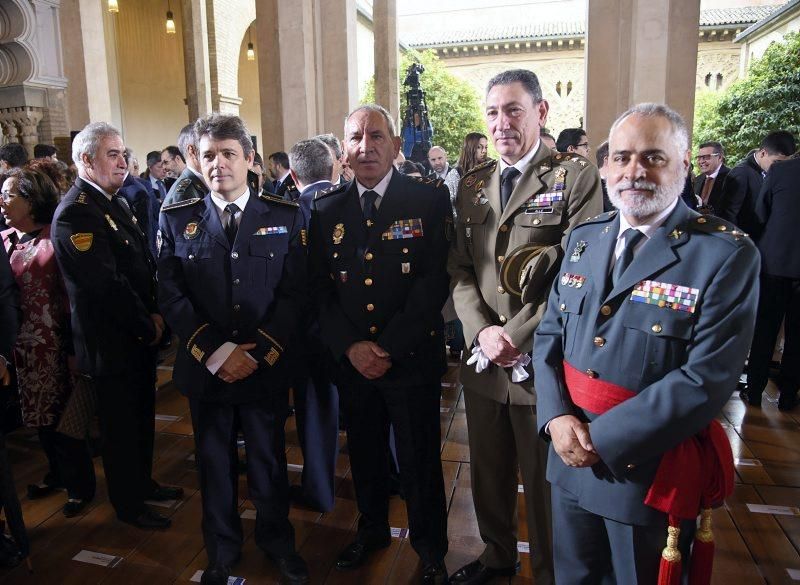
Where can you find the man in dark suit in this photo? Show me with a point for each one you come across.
(378, 256)
(316, 399)
(777, 214)
(643, 339)
(116, 326)
(745, 179)
(282, 183)
(708, 185)
(9, 316)
(232, 281)
(190, 183)
(143, 204)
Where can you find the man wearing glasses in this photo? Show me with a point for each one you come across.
(708, 184)
(573, 140)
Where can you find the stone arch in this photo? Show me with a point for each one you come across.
(228, 23)
(17, 56)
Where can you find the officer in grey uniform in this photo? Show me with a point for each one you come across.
(190, 183)
(513, 213)
(655, 304)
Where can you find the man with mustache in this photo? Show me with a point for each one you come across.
(641, 345)
(513, 215)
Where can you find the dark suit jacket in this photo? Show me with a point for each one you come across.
(251, 292)
(109, 274)
(9, 308)
(742, 184)
(680, 364)
(715, 197)
(144, 204)
(381, 287)
(777, 215)
(286, 190)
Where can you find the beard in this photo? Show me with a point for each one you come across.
(643, 206)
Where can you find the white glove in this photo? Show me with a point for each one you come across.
(518, 371)
(479, 359)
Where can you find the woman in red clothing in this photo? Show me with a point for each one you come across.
(41, 354)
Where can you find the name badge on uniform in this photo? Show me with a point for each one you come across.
(404, 229)
(665, 295)
(271, 230)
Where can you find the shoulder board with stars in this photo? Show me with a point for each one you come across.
(179, 204)
(603, 217)
(278, 200)
(561, 157)
(481, 171)
(428, 181)
(331, 190)
(711, 224)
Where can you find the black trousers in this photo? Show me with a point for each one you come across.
(215, 433)
(413, 411)
(126, 405)
(70, 463)
(779, 299)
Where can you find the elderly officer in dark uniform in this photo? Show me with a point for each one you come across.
(316, 399)
(110, 279)
(231, 276)
(190, 184)
(511, 212)
(646, 329)
(378, 254)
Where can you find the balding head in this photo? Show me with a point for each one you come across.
(437, 157)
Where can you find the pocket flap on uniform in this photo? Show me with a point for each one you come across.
(571, 300)
(268, 247)
(663, 322)
(552, 219)
(475, 214)
(192, 250)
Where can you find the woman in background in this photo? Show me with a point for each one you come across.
(43, 347)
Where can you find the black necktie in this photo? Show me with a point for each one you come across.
(162, 191)
(230, 226)
(632, 237)
(507, 185)
(370, 211)
(123, 203)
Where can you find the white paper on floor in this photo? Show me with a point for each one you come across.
(231, 580)
(97, 558)
(779, 510)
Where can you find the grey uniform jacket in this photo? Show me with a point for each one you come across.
(675, 330)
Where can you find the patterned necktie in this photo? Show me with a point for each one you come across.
(231, 227)
(632, 237)
(370, 211)
(507, 185)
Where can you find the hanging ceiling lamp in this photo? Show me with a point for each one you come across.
(251, 53)
(113, 6)
(170, 20)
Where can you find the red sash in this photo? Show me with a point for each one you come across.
(696, 473)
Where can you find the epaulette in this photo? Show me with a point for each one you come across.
(428, 181)
(484, 165)
(179, 204)
(264, 197)
(81, 198)
(711, 224)
(470, 178)
(330, 191)
(603, 217)
(182, 185)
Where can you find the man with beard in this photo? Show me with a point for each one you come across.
(644, 336)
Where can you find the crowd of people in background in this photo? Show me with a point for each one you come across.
(91, 313)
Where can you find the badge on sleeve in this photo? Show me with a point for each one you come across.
(82, 241)
(338, 233)
(190, 231)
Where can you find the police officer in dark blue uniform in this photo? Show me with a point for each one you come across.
(378, 260)
(646, 329)
(316, 399)
(232, 279)
(110, 280)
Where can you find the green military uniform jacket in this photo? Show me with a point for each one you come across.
(555, 193)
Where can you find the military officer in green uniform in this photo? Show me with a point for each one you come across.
(513, 217)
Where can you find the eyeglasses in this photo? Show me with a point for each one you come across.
(705, 157)
(582, 145)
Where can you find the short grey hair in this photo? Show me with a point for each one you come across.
(680, 131)
(527, 78)
(311, 160)
(87, 141)
(333, 143)
(223, 127)
(374, 108)
(186, 139)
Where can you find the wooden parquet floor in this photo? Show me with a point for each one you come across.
(752, 547)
